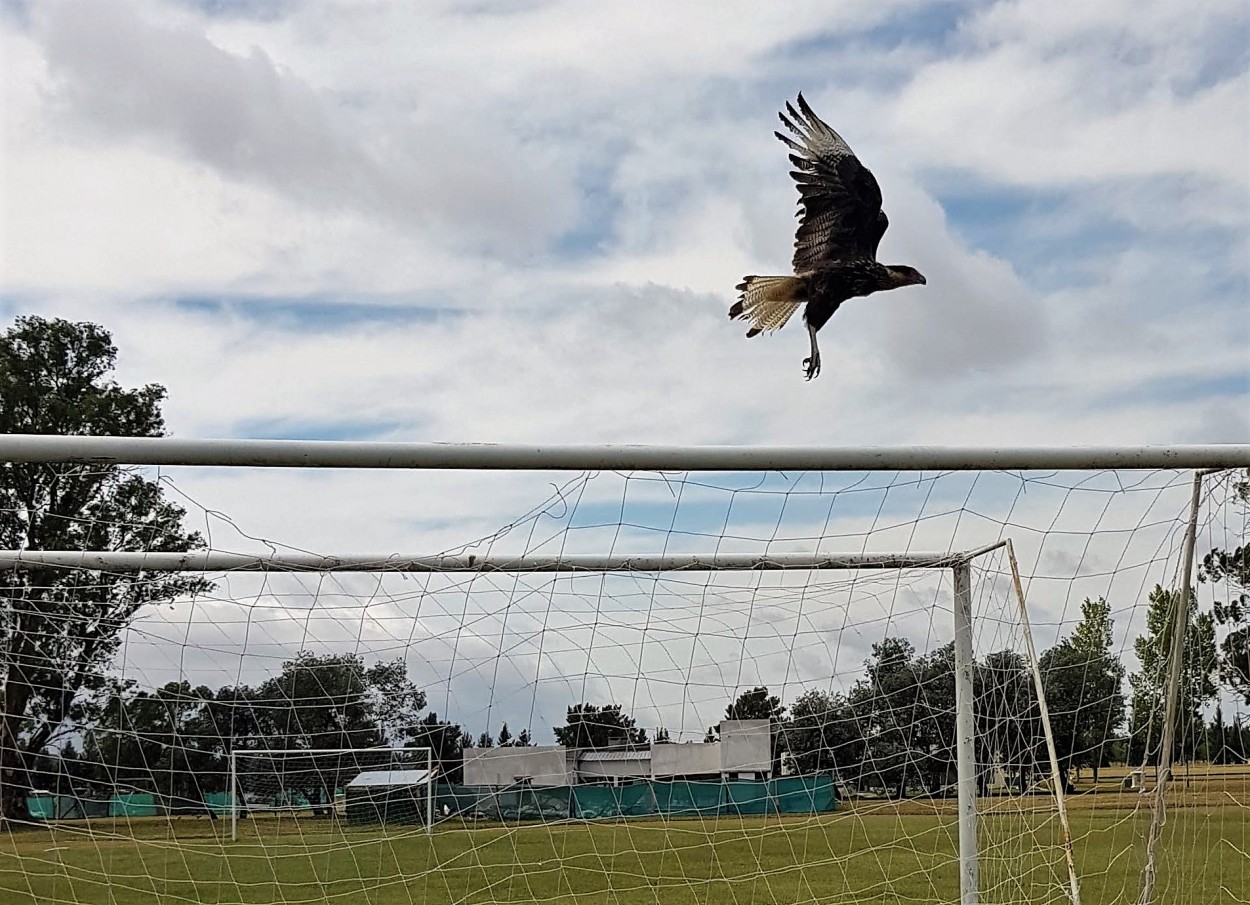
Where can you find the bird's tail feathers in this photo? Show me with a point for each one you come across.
(767, 302)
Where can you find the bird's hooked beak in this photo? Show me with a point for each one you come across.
(920, 279)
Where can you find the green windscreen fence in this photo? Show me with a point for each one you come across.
(645, 798)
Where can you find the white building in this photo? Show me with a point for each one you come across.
(743, 752)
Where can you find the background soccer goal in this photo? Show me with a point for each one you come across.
(661, 675)
(363, 786)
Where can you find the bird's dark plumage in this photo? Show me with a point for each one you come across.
(835, 248)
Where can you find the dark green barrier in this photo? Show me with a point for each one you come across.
(594, 802)
(666, 798)
(803, 794)
(133, 804)
(747, 797)
(681, 798)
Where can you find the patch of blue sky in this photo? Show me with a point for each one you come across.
(1225, 55)
(598, 217)
(917, 512)
(783, 509)
(861, 56)
(1048, 240)
(11, 306)
(316, 429)
(1171, 390)
(1055, 241)
(262, 10)
(320, 314)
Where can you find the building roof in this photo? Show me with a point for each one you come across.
(390, 778)
(616, 755)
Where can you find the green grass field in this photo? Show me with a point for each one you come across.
(860, 855)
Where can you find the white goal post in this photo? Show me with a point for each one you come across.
(259, 764)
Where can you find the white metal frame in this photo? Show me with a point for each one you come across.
(233, 786)
(958, 562)
(216, 561)
(352, 454)
(343, 454)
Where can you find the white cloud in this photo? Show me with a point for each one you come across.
(584, 185)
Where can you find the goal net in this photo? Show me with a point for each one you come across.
(663, 683)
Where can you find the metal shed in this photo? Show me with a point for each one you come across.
(388, 796)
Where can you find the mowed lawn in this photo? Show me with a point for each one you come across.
(859, 855)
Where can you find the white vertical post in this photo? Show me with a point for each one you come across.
(1056, 775)
(232, 790)
(965, 736)
(429, 791)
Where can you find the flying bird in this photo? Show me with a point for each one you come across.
(835, 248)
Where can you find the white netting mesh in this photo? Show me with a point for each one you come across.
(770, 736)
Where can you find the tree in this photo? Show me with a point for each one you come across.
(485, 740)
(505, 737)
(318, 701)
(823, 734)
(392, 701)
(884, 705)
(661, 737)
(1199, 665)
(447, 741)
(1218, 738)
(523, 740)
(60, 628)
(1233, 568)
(590, 726)
(1084, 684)
(933, 724)
(158, 742)
(756, 704)
(1008, 719)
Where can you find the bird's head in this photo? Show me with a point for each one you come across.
(903, 275)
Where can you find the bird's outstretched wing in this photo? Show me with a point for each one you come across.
(839, 199)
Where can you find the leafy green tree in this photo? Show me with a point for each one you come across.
(157, 742)
(505, 737)
(485, 740)
(393, 702)
(447, 741)
(1232, 567)
(59, 629)
(1199, 667)
(884, 703)
(591, 726)
(823, 734)
(1084, 682)
(318, 701)
(933, 726)
(523, 740)
(756, 704)
(1008, 720)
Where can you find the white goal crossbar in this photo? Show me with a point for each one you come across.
(352, 454)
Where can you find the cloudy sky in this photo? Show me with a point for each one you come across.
(523, 221)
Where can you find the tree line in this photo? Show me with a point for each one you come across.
(62, 715)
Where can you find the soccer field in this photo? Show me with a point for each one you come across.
(849, 857)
